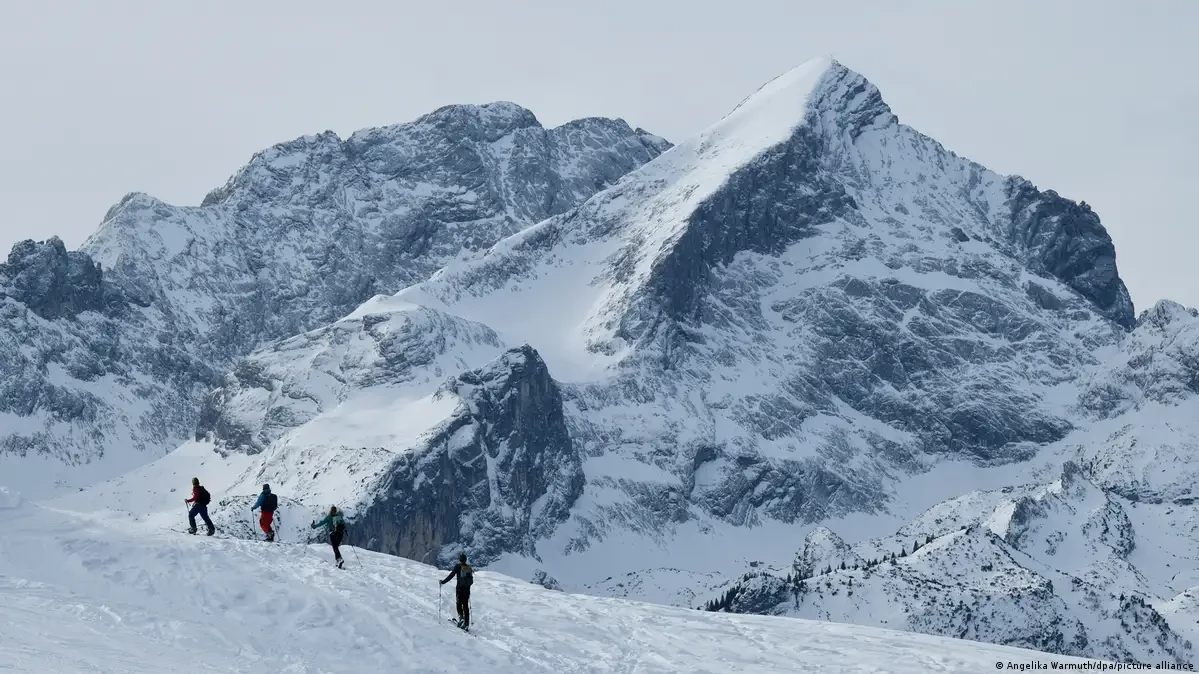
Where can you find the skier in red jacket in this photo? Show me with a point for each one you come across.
(200, 498)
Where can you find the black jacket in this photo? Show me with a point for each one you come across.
(465, 574)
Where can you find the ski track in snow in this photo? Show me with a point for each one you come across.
(81, 594)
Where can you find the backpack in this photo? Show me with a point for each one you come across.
(340, 527)
(202, 496)
(466, 575)
(270, 503)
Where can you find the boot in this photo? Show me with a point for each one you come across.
(270, 537)
(191, 530)
(211, 530)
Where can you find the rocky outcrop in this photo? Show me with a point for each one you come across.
(1066, 240)
(55, 283)
(497, 476)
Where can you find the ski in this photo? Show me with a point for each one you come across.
(455, 624)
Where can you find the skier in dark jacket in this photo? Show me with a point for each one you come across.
(336, 525)
(200, 498)
(466, 577)
(269, 503)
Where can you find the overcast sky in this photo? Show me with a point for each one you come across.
(1096, 99)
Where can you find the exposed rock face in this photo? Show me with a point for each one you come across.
(82, 369)
(54, 283)
(1065, 239)
(310, 229)
(497, 476)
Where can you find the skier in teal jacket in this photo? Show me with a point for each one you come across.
(336, 525)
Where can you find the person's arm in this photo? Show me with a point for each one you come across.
(195, 495)
(453, 572)
(321, 523)
(258, 503)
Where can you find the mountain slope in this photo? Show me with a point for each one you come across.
(776, 316)
(809, 313)
(161, 295)
(89, 593)
(1044, 566)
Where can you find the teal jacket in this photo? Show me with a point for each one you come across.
(331, 522)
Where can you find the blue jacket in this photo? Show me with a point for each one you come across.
(261, 499)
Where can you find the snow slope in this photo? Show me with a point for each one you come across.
(87, 593)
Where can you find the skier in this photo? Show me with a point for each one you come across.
(268, 502)
(466, 576)
(201, 498)
(336, 525)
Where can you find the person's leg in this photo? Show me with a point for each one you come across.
(264, 521)
(466, 606)
(204, 516)
(191, 517)
(335, 541)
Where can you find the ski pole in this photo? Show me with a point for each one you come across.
(439, 603)
(355, 549)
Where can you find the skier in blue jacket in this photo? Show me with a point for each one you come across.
(269, 503)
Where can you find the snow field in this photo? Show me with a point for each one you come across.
(84, 594)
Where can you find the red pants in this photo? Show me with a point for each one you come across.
(265, 522)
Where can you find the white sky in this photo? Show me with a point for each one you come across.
(1094, 98)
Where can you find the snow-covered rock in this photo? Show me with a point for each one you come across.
(1047, 566)
(970, 584)
(496, 476)
(824, 550)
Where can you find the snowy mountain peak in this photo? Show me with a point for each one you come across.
(1165, 313)
(821, 86)
(488, 122)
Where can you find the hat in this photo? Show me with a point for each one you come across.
(266, 487)
(195, 480)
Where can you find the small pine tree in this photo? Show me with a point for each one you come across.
(903, 553)
(842, 566)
